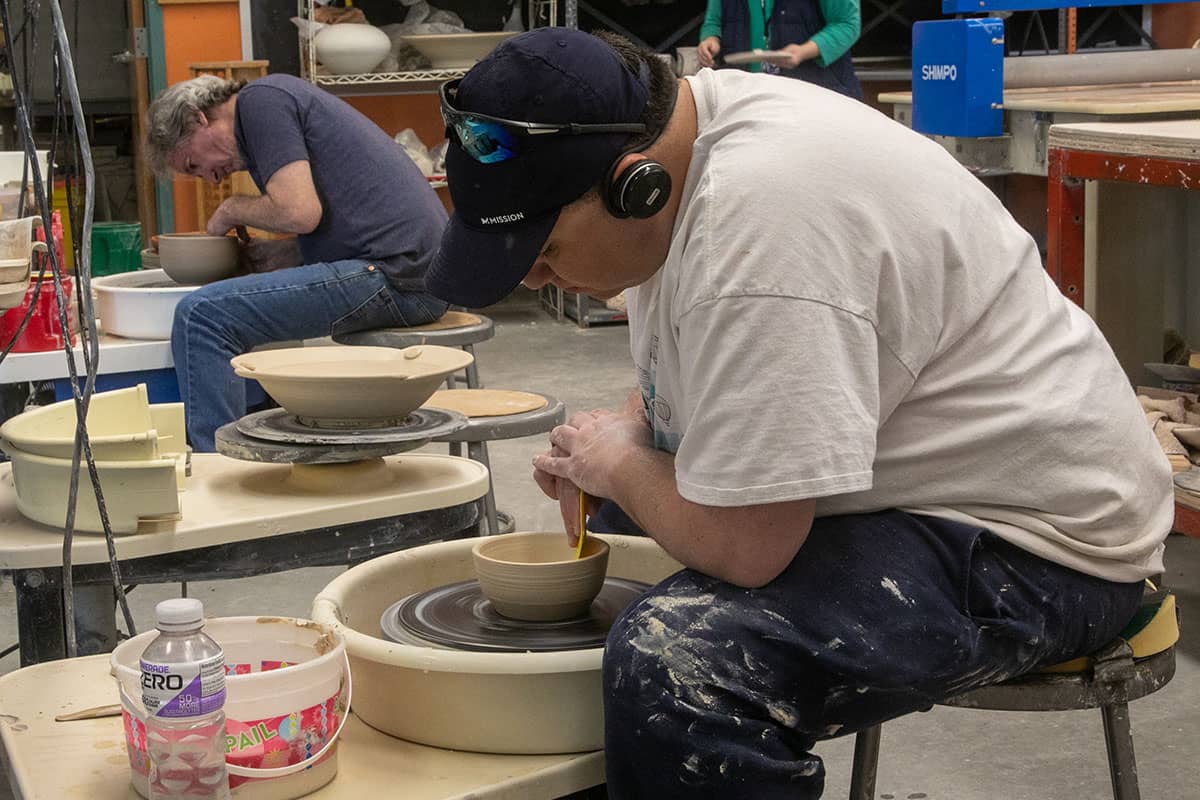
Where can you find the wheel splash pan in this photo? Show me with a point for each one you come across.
(518, 703)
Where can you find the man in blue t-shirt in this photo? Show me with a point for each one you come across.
(365, 220)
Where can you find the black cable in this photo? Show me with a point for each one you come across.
(82, 400)
(91, 344)
(12, 648)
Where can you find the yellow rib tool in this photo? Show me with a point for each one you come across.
(582, 523)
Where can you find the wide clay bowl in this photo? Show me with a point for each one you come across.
(534, 576)
(194, 259)
(339, 386)
(456, 50)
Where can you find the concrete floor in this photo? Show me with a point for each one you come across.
(946, 754)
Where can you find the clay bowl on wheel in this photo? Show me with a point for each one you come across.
(194, 259)
(536, 577)
(346, 386)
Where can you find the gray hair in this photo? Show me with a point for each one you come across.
(174, 115)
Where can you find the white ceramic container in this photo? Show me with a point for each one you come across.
(351, 48)
(339, 385)
(193, 259)
(456, 50)
(138, 305)
(476, 701)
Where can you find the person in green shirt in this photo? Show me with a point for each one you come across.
(813, 38)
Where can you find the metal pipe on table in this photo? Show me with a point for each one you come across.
(1090, 69)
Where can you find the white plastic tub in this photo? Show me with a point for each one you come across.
(138, 305)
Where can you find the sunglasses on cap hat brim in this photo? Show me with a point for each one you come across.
(490, 140)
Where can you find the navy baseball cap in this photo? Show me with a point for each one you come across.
(504, 210)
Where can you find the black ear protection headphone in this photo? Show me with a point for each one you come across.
(642, 189)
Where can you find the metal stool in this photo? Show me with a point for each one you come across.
(453, 329)
(1109, 680)
(483, 429)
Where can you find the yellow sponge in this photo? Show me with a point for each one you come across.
(1152, 630)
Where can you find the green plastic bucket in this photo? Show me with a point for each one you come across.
(116, 247)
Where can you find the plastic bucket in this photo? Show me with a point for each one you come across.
(287, 690)
(116, 247)
(43, 331)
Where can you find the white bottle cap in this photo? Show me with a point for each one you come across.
(179, 612)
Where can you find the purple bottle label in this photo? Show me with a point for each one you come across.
(187, 689)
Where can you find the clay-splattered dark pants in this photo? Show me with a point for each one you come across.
(712, 690)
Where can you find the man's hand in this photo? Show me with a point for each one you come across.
(587, 452)
(268, 255)
(594, 446)
(707, 51)
(222, 221)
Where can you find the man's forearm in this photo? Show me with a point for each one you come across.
(264, 213)
(747, 546)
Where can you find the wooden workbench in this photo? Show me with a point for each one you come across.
(1164, 153)
(1108, 99)
(86, 760)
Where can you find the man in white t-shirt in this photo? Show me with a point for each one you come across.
(895, 461)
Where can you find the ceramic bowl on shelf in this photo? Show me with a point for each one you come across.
(194, 259)
(456, 50)
(536, 576)
(351, 48)
(342, 386)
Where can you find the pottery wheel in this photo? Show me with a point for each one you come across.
(459, 617)
(277, 425)
(315, 446)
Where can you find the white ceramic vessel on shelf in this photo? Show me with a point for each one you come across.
(351, 48)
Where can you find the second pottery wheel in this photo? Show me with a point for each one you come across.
(459, 617)
(276, 437)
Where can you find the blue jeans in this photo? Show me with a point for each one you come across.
(715, 691)
(227, 318)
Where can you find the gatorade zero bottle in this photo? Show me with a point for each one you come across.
(183, 689)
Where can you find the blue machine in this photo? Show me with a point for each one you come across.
(958, 77)
(958, 66)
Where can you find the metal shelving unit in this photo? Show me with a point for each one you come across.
(585, 310)
(411, 81)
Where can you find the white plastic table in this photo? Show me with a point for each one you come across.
(239, 519)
